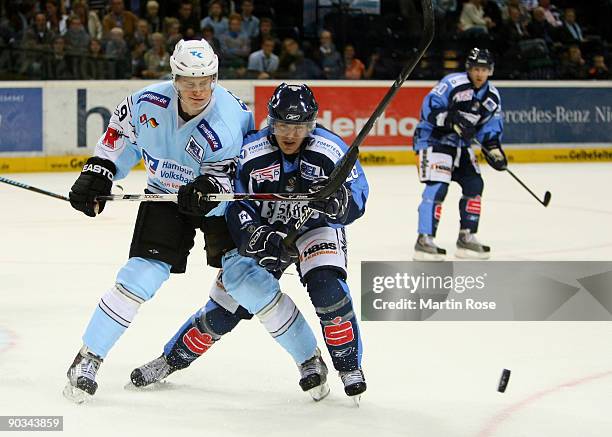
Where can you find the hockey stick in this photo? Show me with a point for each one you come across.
(34, 189)
(211, 197)
(547, 194)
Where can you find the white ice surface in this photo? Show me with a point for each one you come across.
(425, 379)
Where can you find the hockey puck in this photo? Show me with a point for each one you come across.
(503, 381)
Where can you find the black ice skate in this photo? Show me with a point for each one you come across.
(313, 376)
(82, 385)
(468, 247)
(354, 384)
(151, 372)
(426, 250)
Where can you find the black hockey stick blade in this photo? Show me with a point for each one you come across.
(547, 197)
(34, 189)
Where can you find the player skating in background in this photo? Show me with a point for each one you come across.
(188, 131)
(292, 154)
(462, 106)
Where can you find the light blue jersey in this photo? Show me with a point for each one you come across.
(146, 125)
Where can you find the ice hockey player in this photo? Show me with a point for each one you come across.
(189, 132)
(461, 107)
(291, 154)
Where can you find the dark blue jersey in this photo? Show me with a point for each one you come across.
(263, 168)
(456, 92)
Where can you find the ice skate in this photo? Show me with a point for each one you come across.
(426, 250)
(82, 385)
(354, 384)
(152, 372)
(468, 247)
(313, 377)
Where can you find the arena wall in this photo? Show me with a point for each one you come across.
(53, 126)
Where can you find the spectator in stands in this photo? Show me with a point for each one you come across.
(599, 70)
(215, 18)
(57, 65)
(353, 67)
(264, 62)
(138, 62)
(187, 19)
(152, 16)
(57, 22)
(94, 65)
(539, 27)
(294, 65)
(90, 19)
(173, 34)
(208, 33)
(117, 49)
(119, 17)
(76, 38)
(523, 12)
(38, 36)
(472, 21)
(250, 23)
(328, 57)
(514, 28)
(235, 44)
(265, 31)
(491, 9)
(573, 65)
(551, 13)
(157, 59)
(570, 32)
(142, 33)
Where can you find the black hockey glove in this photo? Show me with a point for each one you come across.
(336, 206)
(265, 245)
(96, 179)
(190, 199)
(495, 156)
(460, 125)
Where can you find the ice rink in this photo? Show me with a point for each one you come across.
(425, 379)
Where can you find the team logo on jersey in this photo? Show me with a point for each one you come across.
(473, 205)
(148, 121)
(156, 99)
(271, 173)
(195, 150)
(339, 333)
(464, 96)
(110, 138)
(210, 135)
(310, 171)
(244, 217)
(150, 163)
(490, 104)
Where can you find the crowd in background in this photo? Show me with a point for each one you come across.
(264, 39)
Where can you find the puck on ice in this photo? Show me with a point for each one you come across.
(503, 381)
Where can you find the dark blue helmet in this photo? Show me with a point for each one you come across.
(479, 58)
(292, 105)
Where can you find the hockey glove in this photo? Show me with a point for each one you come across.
(336, 206)
(495, 157)
(190, 196)
(96, 179)
(461, 125)
(265, 245)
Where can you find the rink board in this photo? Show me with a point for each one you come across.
(53, 126)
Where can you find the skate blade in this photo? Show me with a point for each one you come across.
(356, 400)
(75, 394)
(471, 254)
(425, 256)
(159, 385)
(319, 392)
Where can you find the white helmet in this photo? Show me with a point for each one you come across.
(194, 59)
